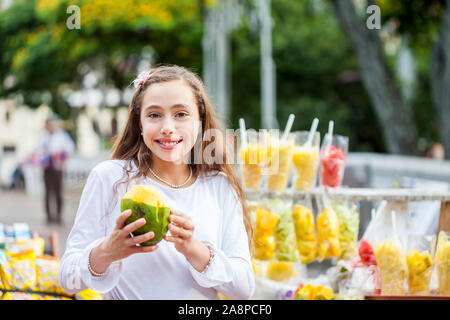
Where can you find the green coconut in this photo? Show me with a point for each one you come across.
(148, 203)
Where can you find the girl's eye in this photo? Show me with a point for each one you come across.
(153, 115)
(181, 114)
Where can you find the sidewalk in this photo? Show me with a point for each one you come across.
(17, 206)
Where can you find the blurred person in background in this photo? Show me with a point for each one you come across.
(436, 151)
(53, 149)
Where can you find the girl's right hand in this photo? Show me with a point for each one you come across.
(119, 244)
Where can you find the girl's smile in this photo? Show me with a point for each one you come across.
(168, 144)
(170, 120)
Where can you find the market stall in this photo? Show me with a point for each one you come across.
(29, 266)
(306, 243)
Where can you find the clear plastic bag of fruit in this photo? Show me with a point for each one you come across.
(305, 230)
(327, 231)
(348, 217)
(442, 261)
(264, 223)
(285, 240)
(391, 260)
(420, 264)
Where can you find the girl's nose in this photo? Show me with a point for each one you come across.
(167, 127)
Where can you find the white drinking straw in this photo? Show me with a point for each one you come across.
(330, 137)
(288, 126)
(312, 131)
(243, 133)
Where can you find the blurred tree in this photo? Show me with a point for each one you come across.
(315, 77)
(440, 79)
(394, 114)
(42, 55)
(427, 25)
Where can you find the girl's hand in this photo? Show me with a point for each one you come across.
(181, 234)
(119, 244)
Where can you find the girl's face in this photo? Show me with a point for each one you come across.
(170, 120)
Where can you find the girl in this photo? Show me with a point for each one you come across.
(207, 247)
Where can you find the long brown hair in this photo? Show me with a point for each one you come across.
(130, 144)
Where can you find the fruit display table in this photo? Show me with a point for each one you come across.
(339, 270)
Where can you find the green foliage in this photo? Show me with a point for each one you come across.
(312, 56)
(317, 72)
(42, 53)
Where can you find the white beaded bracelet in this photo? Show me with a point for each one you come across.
(211, 256)
(95, 274)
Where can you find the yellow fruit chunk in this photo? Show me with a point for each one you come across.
(254, 154)
(419, 271)
(264, 241)
(391, 261)
(443, 263)
(306, 162)
(328, 234)
(252, 176)
(252, 157)
(280, 270)
(305, 234)
(314, 292)
(279, 166)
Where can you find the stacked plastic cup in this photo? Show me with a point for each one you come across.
(305, 160)
(332, 160)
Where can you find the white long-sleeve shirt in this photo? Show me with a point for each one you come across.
(165, 273)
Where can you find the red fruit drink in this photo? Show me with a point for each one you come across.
(332, 166)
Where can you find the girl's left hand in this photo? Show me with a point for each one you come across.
(181, 232)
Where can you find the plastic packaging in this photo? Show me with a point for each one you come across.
(391, 261)
(348, 217)
(305, 231)
(264, 233)
(20, 271)
(442, 261)
(35, 244)
(254, 157)
(47, 275)
(332, 162)
(305, 160)
(327, 231)
(285, 241)
(420, 264)
(280, 162)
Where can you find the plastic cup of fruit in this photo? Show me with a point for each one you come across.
(305, 160)
(332, 163)
(280, 161)
(253, 157)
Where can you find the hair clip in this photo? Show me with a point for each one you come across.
(141, 78)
